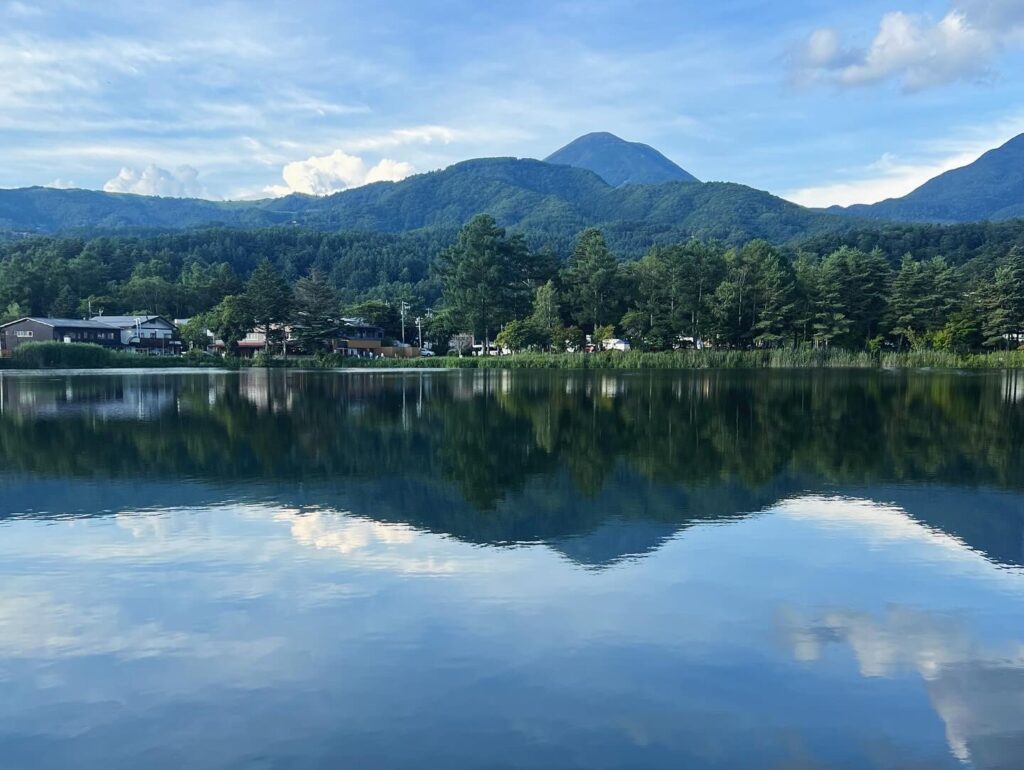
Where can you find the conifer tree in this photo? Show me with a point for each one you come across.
(1002, 303)
(269, 300)
(592, 280)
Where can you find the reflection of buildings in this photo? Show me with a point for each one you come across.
(265, 391)
(1013, 386)
(104, 397)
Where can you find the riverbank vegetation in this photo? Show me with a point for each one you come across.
(864, 296)
(54, 355)
(58, 355)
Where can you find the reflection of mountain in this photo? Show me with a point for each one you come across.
(599, 466)
(628, 517)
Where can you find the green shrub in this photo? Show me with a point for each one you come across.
(58, 355)
(76, 355)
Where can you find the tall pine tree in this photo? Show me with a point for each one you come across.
(269, 301)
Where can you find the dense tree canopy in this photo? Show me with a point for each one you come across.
(958, 288)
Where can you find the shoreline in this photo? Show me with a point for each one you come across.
(606, 360)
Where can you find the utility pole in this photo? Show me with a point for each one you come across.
(404, 306)
(419, 327)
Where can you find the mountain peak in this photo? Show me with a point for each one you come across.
(619, 162)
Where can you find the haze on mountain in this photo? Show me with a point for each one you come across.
(619, 162)
(990, 188)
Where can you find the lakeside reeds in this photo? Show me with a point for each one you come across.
(55, 355)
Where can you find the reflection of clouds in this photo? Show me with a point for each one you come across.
(905, 638)
(363, 542)
(882, 523)
(889, 526)
(982, 705)
(978, 691)
(36, 624)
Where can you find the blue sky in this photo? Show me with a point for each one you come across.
(821, 102)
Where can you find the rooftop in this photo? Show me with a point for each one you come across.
(64, 323)
(124, 321)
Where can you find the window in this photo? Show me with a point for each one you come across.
(24, 335)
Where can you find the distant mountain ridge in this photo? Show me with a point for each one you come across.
(553, 202)
(619, 162)
(631, 190)
(990, 188)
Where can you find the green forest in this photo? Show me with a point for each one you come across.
(956, 288)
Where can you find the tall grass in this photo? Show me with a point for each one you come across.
(707, 359)
(54, 355)
(59, 355)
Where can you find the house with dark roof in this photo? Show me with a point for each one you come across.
(34, 329)
(148, 333)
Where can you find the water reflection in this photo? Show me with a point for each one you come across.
(492, 569)
(560, 458)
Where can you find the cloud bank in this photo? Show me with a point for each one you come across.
(327, 174)
(916, 50)
(153, 180)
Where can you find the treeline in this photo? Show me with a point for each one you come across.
(752, 297)
(181, 274)
(899, 286)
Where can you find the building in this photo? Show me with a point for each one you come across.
(256, 341)
(143, 333)
(615, 343)
(359, 338)
(16, 333)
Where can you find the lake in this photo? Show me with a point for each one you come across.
(494, 569)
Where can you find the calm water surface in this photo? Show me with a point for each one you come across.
(507, 570)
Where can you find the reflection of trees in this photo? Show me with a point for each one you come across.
(489, 433)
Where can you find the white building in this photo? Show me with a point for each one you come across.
(615, 344)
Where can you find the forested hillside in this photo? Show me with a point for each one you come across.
(550, 202)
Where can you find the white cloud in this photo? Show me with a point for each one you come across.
(62, 184)
(326, 174)
(888, 177)
(404, 136)
(153, 180)
(915, 49)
